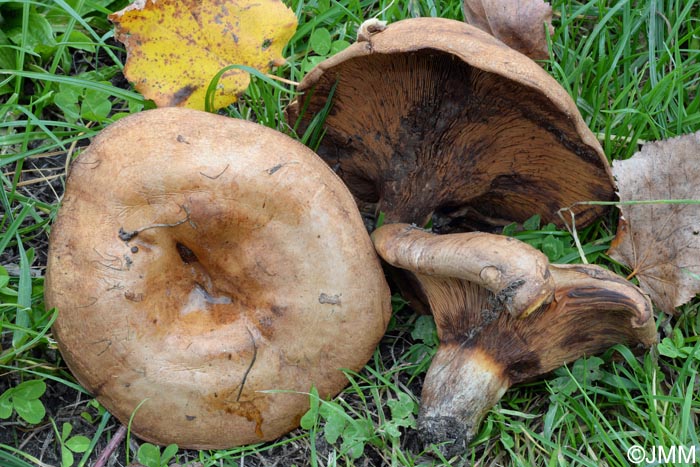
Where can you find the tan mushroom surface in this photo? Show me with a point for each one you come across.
(432, 117)
(207, 272)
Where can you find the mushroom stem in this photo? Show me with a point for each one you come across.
(475, 382)
(514, 271)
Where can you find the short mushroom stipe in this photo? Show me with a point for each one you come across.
(484, 349)
(207, 273)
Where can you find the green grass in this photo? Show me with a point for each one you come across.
(633, 69)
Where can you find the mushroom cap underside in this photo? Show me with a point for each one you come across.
(433, 117)
(200, 264)
(592, 310)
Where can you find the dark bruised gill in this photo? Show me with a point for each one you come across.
(517, 353)
(527, 365)
(600, 298)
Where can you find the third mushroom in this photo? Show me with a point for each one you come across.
(483, 351)
(432, 120)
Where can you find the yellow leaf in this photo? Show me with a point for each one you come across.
(175, 47)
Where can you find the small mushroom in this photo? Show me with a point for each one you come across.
(484, 351)
(208, 272)
(433, 118)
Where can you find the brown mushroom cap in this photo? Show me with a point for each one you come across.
(198, 262)
(434, 117)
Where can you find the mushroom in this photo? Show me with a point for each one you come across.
(484, 351)
(433, 118)
(208, 272)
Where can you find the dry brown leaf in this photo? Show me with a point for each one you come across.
(176, 47)
(517, 23)
(661, 242)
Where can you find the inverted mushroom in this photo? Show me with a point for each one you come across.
(484, 351)
(208, 272)
(433, 118)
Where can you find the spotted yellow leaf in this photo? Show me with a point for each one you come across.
(176, 47)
